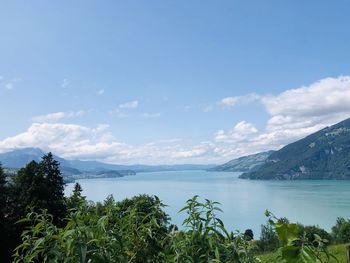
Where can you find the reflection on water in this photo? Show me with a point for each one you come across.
(243, 201)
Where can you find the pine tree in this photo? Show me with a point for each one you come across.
(49, 168)
(29, 190)
(2, 191)
(4, 248)
(76, 199)
(3, 197)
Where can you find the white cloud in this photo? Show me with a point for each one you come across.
(129, 105)
(151, 115)
(236, 100)
(8, 84)
(65, 83)
(56, 116)
(294, 114)
(240, 132)
(118, 113)
(68, 140)
(100, 92)
(207, 108)
(122, 110)
(327, 96)
(73, 141)
(298, 112)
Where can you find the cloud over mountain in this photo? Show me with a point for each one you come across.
(293, 114)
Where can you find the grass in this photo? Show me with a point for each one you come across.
(339, 251)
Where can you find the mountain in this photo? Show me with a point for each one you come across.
(322, 155)
(78, 169)
(247, 163)
(18, 158)
(175, 167)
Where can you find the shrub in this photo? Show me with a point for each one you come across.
(295, 247)
(311, 231)
(268, 239)
(341, 230)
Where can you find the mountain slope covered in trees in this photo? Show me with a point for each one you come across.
(322, 155)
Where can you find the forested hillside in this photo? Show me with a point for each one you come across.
(321, 155)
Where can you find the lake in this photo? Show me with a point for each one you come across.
(243, 201)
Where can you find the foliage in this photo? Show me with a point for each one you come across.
(206, 239)
(107, 232)
(54, 183)
(341, 230)
(338, 251)
(268, 239)
(310, 231)
(58, 229)
(35, 187)
(76, 199)
(39, 186)
(248, 234)
(3, 208)
(296, 248)
(133, 230)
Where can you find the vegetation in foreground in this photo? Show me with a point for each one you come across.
(38, 224)
(338, 251)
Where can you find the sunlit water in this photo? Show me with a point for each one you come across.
(243, 201)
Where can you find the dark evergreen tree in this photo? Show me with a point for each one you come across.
(3, 208)
(54, 188)
(76, 199)
(3, 192)
(28, 190)
(36, 187)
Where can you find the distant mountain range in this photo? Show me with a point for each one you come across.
(243, 164)
(77, 169)
(322, 155)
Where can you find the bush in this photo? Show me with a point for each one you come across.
(268, 239)
(295, 247)
(341, 230)
(108, 232)
(134, 230)
(311, 231)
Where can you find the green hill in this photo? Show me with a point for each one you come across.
(321, 155)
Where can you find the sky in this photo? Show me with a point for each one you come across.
(167, 82)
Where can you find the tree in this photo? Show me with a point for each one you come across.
(249, 235)
(341, 230)
(3, 192)
(76, 199)
(29, 191)
(54, 186)
(268, 239)
(3, 208)
(36, 187)
(40, 186)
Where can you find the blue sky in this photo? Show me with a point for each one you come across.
(170, 81)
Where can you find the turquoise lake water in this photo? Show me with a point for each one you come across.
(243, 201)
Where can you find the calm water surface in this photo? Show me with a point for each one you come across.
(243, 201)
